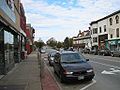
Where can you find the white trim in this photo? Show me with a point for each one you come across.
(22, 32)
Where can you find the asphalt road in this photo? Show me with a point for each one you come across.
(107, 70)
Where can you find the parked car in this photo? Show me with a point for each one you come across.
(95, 52)
(41, 50)
(87, 51)
(115, 53)
(51, 57)
(104, 51)
(70, 65)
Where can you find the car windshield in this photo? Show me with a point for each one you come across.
(72, 58)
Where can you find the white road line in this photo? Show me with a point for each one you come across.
(109, 60)
(54, 78)
(106, 64)
(104, 59)
(88, 85)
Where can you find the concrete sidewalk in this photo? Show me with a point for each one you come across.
(25, 76)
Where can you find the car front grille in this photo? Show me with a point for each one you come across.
(79, 73)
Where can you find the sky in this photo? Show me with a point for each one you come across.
(64, 18)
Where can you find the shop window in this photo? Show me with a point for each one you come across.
(104, 28)
(117, 32)
(1, 46)
(117, 19)
(110, 20)
(8, 47)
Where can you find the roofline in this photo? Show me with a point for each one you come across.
(105, 17)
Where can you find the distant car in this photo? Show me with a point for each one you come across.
(95, 52)
(104, 51)
(51, 57)
(42, 51)
(115, 53)
(70, 65)
(86, 51)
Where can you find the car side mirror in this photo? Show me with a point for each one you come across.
(87, 59)
(56, 62)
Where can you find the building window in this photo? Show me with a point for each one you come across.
(95, 31)
(1, 47)
(117, 19)
(10, 3)
(91, 32)
(111, 36)
(95, 39)
(104, 28)
(117, 32)
(100, 29)
(110, 21)
(8, 47)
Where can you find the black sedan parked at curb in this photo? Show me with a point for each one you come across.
(70, 65)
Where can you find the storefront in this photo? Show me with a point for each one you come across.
(8, 48)
(2, 65)
(113, 44)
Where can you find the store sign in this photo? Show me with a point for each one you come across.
(8, 7)
(113, 42)
(119, 41)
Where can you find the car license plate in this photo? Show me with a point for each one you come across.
(80, 77)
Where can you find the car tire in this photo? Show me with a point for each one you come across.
(103, 54)
(89, 79)
(62, 80)
(54, 70)
(112, 55)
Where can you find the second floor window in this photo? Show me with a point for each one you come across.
(117, 19)
(100, 29)
(95, 30)
(110, 20)
(117, 32)
(111, 36)
(104, 28)
(94, 39)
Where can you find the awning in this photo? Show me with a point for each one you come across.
(22, 32)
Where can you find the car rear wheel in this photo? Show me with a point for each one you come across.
(112, 55)
(62, 80)
(89, 79)
(103, 54)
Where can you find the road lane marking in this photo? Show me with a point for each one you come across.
(94, 81)
(106, 64)
(104, 59)
(112, 71)
(108, 60)
(107, 72)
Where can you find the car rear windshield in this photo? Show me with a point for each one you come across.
(72, 57)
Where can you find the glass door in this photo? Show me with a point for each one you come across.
(1, 51)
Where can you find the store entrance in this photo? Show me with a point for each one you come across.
(2, 65)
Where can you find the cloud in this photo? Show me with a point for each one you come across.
(56, 19)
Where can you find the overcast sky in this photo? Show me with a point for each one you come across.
(64, 18)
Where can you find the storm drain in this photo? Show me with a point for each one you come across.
(12, 87)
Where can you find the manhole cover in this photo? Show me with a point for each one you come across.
(12, 87)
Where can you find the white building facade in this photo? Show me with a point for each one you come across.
(105, 32)
(83, 40)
